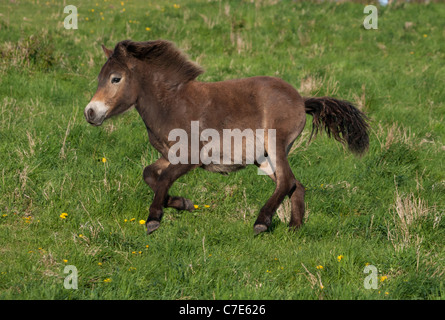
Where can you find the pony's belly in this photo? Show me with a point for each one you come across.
(223, 168)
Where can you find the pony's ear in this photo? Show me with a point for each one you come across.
(107, 52)
(121, 48)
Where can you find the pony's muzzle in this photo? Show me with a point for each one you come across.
(95, 112)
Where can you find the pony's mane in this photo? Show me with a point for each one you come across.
(161, 54)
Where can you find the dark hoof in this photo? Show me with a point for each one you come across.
(294, 227)
(188, 205)
(152, 226)
(259, 228)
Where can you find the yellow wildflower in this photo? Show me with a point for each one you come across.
(319, 267)
(107, 280)
(141, 221)
(147, 29)
(63, 215)
(339, 258)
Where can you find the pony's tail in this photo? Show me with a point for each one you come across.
(340, 119)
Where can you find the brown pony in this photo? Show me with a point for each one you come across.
(160, 82)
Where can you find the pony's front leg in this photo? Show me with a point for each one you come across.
(151, 177)
(169, 175)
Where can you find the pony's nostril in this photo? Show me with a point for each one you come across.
(91, 114)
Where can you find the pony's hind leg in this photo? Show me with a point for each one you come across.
(285, 184)
(296, 196)
(151, 176)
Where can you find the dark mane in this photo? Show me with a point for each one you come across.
(163, 55)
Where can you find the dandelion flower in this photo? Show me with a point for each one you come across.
(104, 160)
(64, 260)
(176, 6)
(383, 278)
(99, 263)
(339, 258)
(196, 206)
(319, 267)
(107, 280)
(206, 206)
(141, 221)
(425, 35)
(147, 29)
(63, 215)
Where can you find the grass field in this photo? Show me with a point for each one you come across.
(385, 209)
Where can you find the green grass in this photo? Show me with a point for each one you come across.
(384, 209)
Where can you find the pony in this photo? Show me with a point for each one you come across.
(161, 83)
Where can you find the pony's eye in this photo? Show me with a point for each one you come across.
(115, 80)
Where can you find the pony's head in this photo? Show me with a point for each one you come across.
(133, 65)
(117, 88)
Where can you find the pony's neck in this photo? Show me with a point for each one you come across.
(157, 100)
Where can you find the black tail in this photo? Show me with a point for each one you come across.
(341, 119)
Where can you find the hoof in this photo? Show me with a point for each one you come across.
(259, 228)
(152, 226)
(188, 205)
